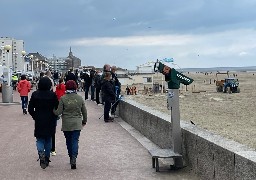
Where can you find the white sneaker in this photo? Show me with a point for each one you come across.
(53, 153)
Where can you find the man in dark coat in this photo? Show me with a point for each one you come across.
(97, 85)
(87, 83)
(41, 105)
(70, 76)
(108, 96)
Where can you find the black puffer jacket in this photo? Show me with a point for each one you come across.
(41, 105)
(108, 92)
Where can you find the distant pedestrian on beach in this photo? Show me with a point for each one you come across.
(24, 88)
(127, 90)
(74, 118)
(41, 105)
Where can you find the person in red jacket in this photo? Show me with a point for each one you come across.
(24, 88)
(60, 89)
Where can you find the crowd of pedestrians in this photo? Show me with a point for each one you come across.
(48, 104)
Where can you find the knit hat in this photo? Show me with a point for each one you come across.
(71, 85)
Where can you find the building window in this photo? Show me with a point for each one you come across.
(147, 79)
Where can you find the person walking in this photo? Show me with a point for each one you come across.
(98, 86)
(53, 152)
(49, 75)
(87, 84)
(92, 77)
(40, 107)
(108, 96)
(60, 91)
(14, 81)
(74, 118)
(24, 88)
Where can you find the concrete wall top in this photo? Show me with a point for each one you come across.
(230, 145)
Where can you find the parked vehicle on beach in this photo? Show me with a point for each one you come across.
(230, 85)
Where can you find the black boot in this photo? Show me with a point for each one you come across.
(73, 162)
(42, 160)
(47, 160)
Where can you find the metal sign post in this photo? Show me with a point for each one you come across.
(173, 106)
(174, 78)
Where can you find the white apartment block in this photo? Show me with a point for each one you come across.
(14, 58)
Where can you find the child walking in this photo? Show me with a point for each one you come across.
(24, 88)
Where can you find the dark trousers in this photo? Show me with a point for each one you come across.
(92, 92)
(86, 91)
(53, 139)
(97, 95)
(72, 139)
(113, 109)
(107, 107)
(53, 143)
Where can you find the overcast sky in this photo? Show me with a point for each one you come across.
(128, 33)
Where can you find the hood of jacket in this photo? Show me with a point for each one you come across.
(44, 84)
(23, 81)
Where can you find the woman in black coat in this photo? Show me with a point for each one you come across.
(108, 95)
(41, 105)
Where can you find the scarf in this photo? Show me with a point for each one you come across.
(70, 91)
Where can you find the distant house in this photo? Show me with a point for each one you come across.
(143, 76)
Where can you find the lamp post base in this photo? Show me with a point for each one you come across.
(7, 94)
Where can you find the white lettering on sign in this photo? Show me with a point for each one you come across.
(182, 77)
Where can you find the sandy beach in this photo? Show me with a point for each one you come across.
(230, 115)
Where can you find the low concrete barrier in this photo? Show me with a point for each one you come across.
(209, 155)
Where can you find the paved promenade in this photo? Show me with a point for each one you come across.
(106, 151)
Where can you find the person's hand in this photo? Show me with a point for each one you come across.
(83, 124)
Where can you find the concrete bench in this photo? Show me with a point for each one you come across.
(162, 153)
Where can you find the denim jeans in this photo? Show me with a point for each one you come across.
(24, 102)
(44, 145)
(72, 139)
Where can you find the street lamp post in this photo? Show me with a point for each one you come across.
(14, 68)
(8, 48)
(32, 70)
(7, 90)
(23, 53)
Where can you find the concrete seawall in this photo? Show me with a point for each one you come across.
(209, 155)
